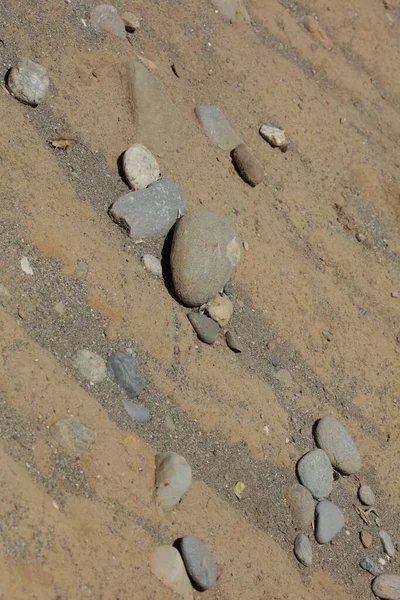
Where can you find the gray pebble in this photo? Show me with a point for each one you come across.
(126, 373)
(315, 473)
(233, 341)
(90, 365)
(329, 521)
(73, 436)
(28, 82)
(387, 544)
(368, 565)
(206, 329)
(106, 18)
(301, 505)
(332, 437)
(173, 478)
(275, 360)
(366, 495)
(137, 413)
(303, 550)
(152, 264)
(217, 127)
(4, 295)
(284, 377)
(199, 562)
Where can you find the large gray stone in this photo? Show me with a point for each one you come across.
(28, 81)
(173, 478)
(334, 439)
(199, 562)
(217, 127)
(151, 212)
(329, 521)
(105, 17)
(315, 473)
(158, 122)
(204, 255)
(301, 505)
(387, 587)
(73, 436)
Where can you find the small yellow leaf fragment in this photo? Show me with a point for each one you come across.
(62, 143)
(239, 489)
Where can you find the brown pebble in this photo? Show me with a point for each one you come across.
(177, 69)
(284, 148)
(220, 568)
(21, 314)
(247, 165)
(366, 539)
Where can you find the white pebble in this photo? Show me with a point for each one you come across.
(273, 135)
(25, 266)
(140, 167)
(152, 264)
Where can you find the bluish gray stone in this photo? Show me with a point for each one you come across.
(329, 521)
(126, 373)
(335, 440)
(28, 81)
(387, 543)
(199, 562)
(150, 213)
(315, 473)
(206, 329)
(303, 550)
(368, 565)
(137, 413)
(217, 127)
(106, 18)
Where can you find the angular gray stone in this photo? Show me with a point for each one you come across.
(90, 365)
(227, 8)
(150, 213)
(217, 127)
(334, 439)
(199, 562)
(301, 505)
(173, 478)
(73, 436)
(233, 341)
(366, 495)
(315, 473)
(368, 565)
(207, 330)
(387, 544)
(329, 521)
(204, 255)
(137, 413)
(158, 122)
(387, 587)
(28, 81)
(303, 550)
(105, 17)
(126, 373)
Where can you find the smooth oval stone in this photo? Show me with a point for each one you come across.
(173, 478)
(106, 18)
(329, 521)
(387, 543)
(126, 373)
(199, 562)
(366, 495)
(205, 252)
(315, 473)
(150, 212)
(217, 127)
(167, 565)
(207, 330)
(248, 166)
(366, 538)
(140, 167)
(233, 341)
(137, 413)
(301, 505)
(368, 565)
(90, 365)
(334, 439)
(387, 587)
(73, 436)
(152, 264)
(220, 309)
(28, 81)
(303, 550)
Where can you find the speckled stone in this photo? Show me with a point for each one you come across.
(315, 473)
(199, 562)
(332, 437)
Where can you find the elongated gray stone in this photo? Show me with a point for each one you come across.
(217, 127)
(150, 213)
(199, 562)
(315, 473)
(206, 329)
(329, 521)
(137, 413)
(387, 543)
(368, 565)
(335, 440)
(173, 478)
(303, 550)
(126, 373)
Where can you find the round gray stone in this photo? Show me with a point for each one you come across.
(199, 562)
(329, 521)
(315, 473)
(206, 329)
(205, 252)
(387, 587)
(301, 505)
(28, 81)
(334, 439)
(126, 373)
(303, 550)
(90, 365)
(366, 495)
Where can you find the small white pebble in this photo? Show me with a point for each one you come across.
(382, 561)
(245, 246)
(266, 428)
(84, 22)
(25, 266)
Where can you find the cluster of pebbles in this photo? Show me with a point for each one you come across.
(337, 451)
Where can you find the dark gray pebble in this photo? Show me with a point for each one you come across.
(275, 360)
(368, 565)
(206, 329)
(125, 371)
(199, 562)
(233, 341)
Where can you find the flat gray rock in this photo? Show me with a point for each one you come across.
(334, 439)
(387, 544)
(173, 478)
(204, 255)
(126, 373)
(73, 436)
(303, 550)
(105, 17)
(233, 341)
(315, 473)
(329, 521)
(301, 505)
(199, 562)
(387, 587)
(28, 81)
(206, 329)
(90, 365)
(368, 565)
(217, 127)
(158, 122)
(137, 413)
(150, 213)
(227, 8)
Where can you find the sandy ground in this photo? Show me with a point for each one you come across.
(86, 528)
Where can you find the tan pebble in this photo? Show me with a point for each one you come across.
(247, 165)
(366, 539)
(276, 137)
(220, 309)
(316, 30)
(395, 294)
